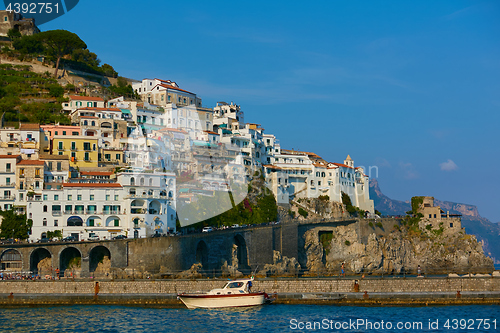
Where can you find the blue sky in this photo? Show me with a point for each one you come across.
(411, 87)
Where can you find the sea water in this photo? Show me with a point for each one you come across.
(267, 318)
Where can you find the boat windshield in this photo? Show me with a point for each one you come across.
(234, 285)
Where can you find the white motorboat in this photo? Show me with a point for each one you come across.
(234, 294)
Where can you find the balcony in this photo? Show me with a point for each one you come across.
(7, 198)
(57, 213)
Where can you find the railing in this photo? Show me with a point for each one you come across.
(56, 213)
(8, 197)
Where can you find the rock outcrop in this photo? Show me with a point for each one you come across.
(400, 251)
(281, 266)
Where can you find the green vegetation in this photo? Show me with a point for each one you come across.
(379, 224)
(325, 238)
(415, 203)
(14, 225)
(303, 212)
(54, 234)
(370, 224)
(347, 242)
(19, 87)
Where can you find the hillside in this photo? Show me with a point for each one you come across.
(475, 224)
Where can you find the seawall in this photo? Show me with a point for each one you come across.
(395, 291)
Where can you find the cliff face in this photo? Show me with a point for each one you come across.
(485, 231)
(400, 251)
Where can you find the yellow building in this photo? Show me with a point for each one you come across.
(83, 151)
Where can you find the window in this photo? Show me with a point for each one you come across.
(21, 185)
(56, 223)
(50, 166)
(45, 197)
(86, 145)
(64, 132)
(74, 133)
(430, 216)
(37, 172)
(70, 197)
(117, 157)
(434, 215)
(79, 197)
(45, 208)
(44, 223)
(68, 209)
(37, 185)
(87, 156)
(91, 197)
(21, 172)
(56, 197)
(7, 181)
(108, 197)
(7, 167)
(57, 133)
(91, 222)
(116, 197)
(73, 145)
(107, 157)
(59, 166)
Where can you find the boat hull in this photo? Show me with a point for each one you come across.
(193, 301)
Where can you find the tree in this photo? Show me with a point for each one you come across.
(60, 43)
(14, 225)
(13, 34)
(108, 70)
(28, 45)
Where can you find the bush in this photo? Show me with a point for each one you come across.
(370, 224)
(347, 242)
(379, 224)
(303, 212)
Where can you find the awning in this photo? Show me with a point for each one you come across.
(126, 111)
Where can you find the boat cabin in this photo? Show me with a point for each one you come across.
(233, 287)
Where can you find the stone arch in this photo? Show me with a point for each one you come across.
(11, 260)
(40, 261)
(241, 251)
(70, 258)
(97, 255)
(74, 221)
(94, 221)
(202, 254)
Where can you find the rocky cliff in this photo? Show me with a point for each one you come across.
(485, 231)
(400, 250)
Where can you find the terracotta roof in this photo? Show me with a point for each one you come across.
(342, 165)
(91, 117)
(319, 165)
(30, 126)
(173, 88)
(91, 185)
(96, 173)
(167, 81)
(9, 156)
(100, 109)
(211, 132)
(86, 98)
(30, 162)
(53, 157)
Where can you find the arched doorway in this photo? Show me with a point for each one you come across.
(241, 251)
(11, 260)
(70, 259)
(41, 261)
(202, 254)
(99, 259)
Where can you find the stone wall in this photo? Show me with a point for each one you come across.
(388, 285)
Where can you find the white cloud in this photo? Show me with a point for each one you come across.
(448, 165)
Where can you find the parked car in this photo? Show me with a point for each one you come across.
(156, 235)
(93, 237)
(120, 237)
(207, 229)
(69, 239)
(44, 240)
